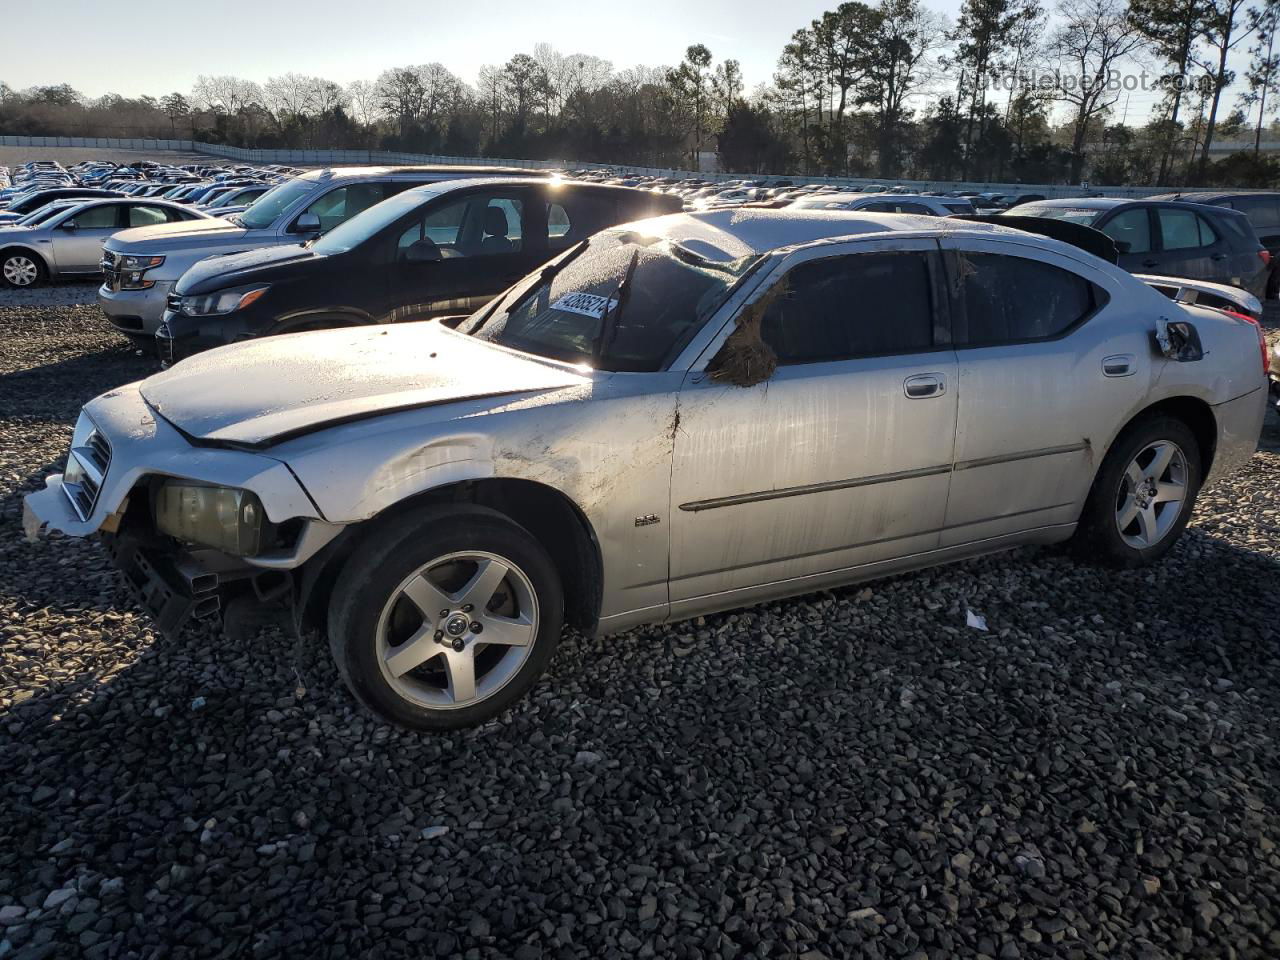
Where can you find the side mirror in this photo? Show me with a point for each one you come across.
(307, 223)
(67, 225)
(423, 251)
(1123, 246)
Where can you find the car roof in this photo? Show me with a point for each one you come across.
(337, 173)
(745, 231)
(468, 183)
(1209, 196)
(1084, 203)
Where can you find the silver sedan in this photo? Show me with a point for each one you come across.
(675, 417)
(65, 239)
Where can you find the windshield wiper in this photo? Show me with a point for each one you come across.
(609, 320)
(546, 276)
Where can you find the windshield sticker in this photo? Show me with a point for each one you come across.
(587, 304)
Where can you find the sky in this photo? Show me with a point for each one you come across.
(341, 41)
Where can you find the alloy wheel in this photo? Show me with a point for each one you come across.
(21, 271)
(1152, 492)
(457, 630)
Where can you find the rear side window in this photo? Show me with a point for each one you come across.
(1185, 230)
(1014, 300)
(576, 215)
(861, 305)
(1262, 211)
(915, 208)
(146, 216)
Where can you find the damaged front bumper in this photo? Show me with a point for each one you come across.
(174, 582)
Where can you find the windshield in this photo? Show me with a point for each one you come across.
(274, 202)
(577, 314)
(351, 233)
(1082, 215)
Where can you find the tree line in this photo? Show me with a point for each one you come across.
(889, 89)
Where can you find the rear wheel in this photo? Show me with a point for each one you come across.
(21, 269)
(445, 621)
(1143, 496)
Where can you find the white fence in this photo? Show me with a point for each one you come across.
(348, 157)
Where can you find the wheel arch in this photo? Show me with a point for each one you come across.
(9, 248)
(1196, 413)
(550, 516)
(301, 321)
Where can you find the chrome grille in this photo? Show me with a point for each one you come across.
(87, 465)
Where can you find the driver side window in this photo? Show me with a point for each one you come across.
(476, 225)
(97, 217)
(344, 203)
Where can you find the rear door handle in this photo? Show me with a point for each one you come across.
(924, 385)
(1120, 365)
(1218, 256)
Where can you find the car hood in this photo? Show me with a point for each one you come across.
(175, 237)
(232, 269)
(260, 392)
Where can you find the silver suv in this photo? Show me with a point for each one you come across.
(141, 266)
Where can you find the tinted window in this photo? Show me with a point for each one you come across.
(879, 206)
(855, 306)
(1133, 227)
(345, 202)
(97, 217)
(1184, 230)
(1011, 299)
(919, 208)
(1262, 211)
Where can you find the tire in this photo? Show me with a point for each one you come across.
(402, 640)
(1273, 286)
(22, 269)
(1123, 524)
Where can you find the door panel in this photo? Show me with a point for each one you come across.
(80, 250)
(1034, 418)
(824, 466)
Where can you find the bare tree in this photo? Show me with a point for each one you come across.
(1093, 37)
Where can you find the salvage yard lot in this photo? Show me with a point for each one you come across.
(853, 773)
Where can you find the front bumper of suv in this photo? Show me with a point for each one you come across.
(135, 313)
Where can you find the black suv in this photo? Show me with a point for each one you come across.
(443, 249)
(1263, 211)
(1170, 238)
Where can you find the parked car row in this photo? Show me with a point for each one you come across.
(52, 218)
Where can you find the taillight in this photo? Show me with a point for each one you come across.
(1257, 328)
(1265, 257)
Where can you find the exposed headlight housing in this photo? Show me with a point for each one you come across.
(224, 301)
(225, 518)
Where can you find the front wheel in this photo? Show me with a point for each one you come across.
(1143, 495)
(446, 620)
(21, 269)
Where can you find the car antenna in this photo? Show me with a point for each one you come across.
(609, 319)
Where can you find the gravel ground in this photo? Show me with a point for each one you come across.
(851, 774)
(67, 293)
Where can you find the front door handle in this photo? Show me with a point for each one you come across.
(1120, 365)
(1151, 263)
(924, 385)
